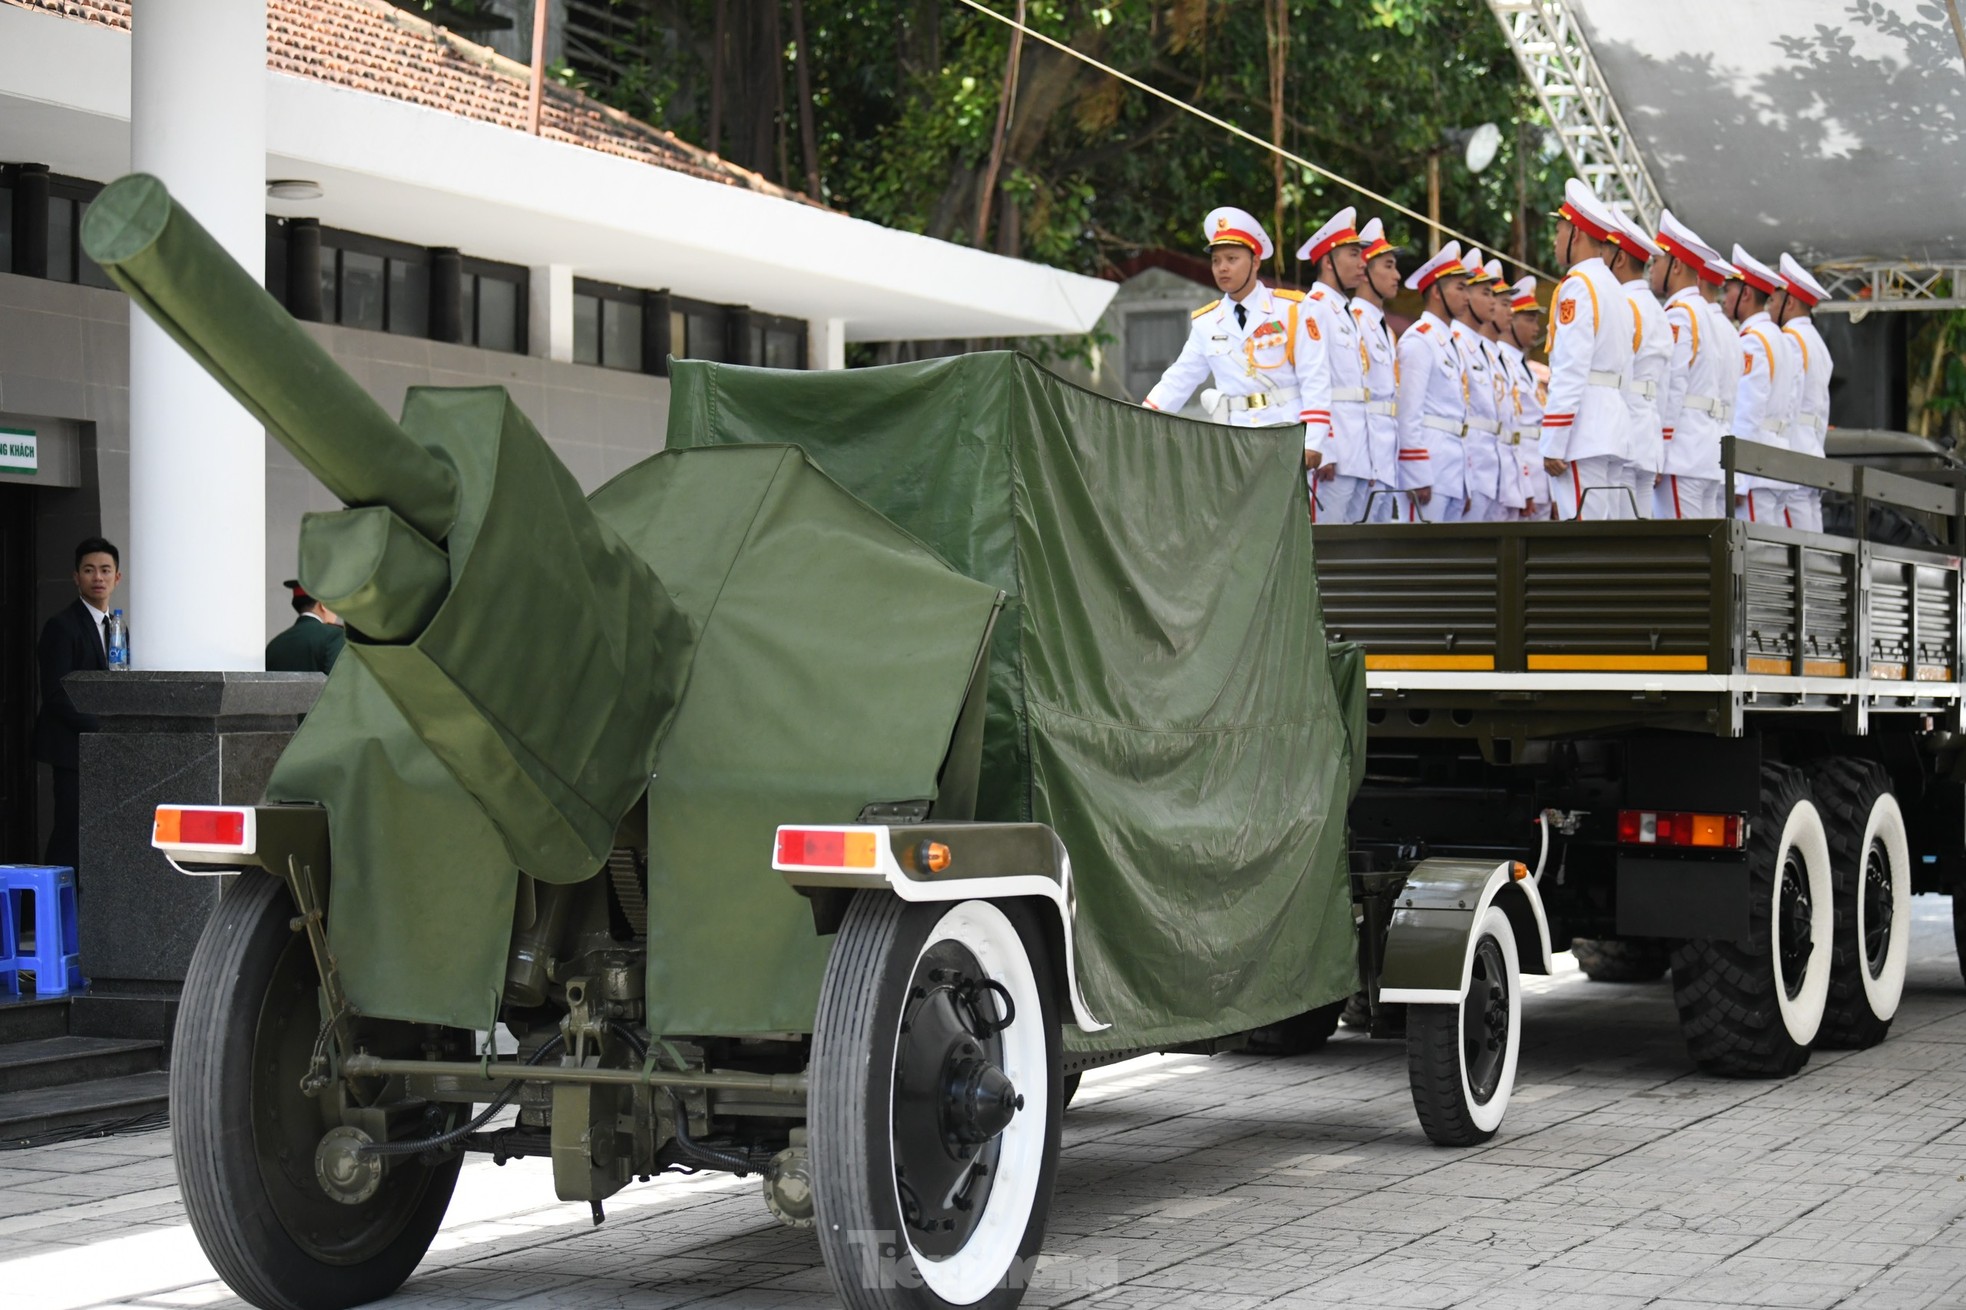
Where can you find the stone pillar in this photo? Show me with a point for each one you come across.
(549, 313)
(196, 557)
(185, 737)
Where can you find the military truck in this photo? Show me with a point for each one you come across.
(810, 811)
(1737, 746)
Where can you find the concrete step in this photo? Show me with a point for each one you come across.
(60, 1061)
(30, 1017)
(41, 1110)
(99, 1012)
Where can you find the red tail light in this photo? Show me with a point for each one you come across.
(1677, 828)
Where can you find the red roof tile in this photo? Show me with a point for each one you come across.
(372, 46)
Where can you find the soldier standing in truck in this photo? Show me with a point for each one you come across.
(1698, 378)
(1343, 479)
(1433, 393)
(1765, 397)
(1379, 285)
(1585, 421)
(1809, 428)
(1255, 343)
(1523, 413)
(1483, 425)
(1631, 252)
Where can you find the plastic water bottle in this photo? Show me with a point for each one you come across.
(118, 642)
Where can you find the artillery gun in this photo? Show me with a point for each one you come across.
(772, 839)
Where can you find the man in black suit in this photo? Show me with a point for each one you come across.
(74, 639)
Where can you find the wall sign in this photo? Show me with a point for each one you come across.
(20, 451)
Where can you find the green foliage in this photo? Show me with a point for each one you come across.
(906, 92)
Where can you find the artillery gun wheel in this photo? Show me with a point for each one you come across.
(1870, 867)
(1749, 1009)
(1461, 1058)
(1300, 1034)
(246, 1137)
(1621, 959)
(935, 1108)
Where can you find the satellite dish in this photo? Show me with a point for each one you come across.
(1483, 142)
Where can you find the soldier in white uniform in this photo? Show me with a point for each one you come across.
(1343, 479)
(1810, 427)
(1496, 331)
(1381, 284)
(1652, 351)
(1482, 445)
(1765, 398)
(1522, 412)
(1699, 380)
(1585, 420)
(1433, 393)
(1266, 366)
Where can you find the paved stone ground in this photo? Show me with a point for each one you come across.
(1621, 1179)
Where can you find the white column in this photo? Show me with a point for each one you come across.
(826, 343)
(196, 558)
(549, 313)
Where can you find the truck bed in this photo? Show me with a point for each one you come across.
(1507, 632)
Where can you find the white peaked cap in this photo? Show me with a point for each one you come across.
(1445, 263)
(1493, 268)
(1523, 298)
(1755, 273)
(1726, 270)
(1471, 264)
(1232, 226)
(1632, 237)
(1586, 212)
(1800, 284)
(1683, 243)
(1373, 235)
(1333, 234)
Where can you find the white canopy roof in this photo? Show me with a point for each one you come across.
(1832, 128)
(419, 175)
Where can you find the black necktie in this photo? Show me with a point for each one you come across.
(103, 627)
(1242, 317)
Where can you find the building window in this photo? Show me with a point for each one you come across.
(380, 286)
(1153, 339)
(494, 306)
(607, 325)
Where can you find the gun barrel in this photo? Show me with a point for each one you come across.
(173, 268)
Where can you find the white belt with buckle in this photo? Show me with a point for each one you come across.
(1390, 408)
(1439, 424)
(1601, 378)
(1518, 435)
(1707, 405)
(1647, 389)
(1259, 400)
(1490, 426)
(1350, 393)
(1771, 427)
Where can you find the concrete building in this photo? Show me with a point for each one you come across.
(415, 217)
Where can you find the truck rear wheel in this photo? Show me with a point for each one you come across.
(1750, 1009)
(1870, 863)
(1621, 959)
(1461, 1058)
(935, 1103)
(245, 1136)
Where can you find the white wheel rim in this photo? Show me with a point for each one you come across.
(1802, 1014)
(1886, 827)
(981, 1266)
(1488, 1117)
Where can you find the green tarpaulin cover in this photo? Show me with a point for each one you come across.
(1161, 690)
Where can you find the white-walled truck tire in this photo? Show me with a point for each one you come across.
(1750, 1009)
(245, 1136)
(1461, 1058)
(1870, 864)
(934, 1133)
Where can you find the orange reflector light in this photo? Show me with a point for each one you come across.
(200, 827)
(1670, 828)
(827, 850)
(1518, 870)
(931, 857)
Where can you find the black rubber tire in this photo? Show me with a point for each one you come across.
(1846, 791)
(1357, 1012)
(1452, 1111)
(243, 965)
(1621, 959)
(855, 1036)
(1300, 1034)
(1726, 992)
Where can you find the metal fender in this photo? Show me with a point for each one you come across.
(937, 862)
(1430, 944)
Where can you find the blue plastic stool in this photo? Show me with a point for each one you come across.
(9, 948)
(56, 961)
